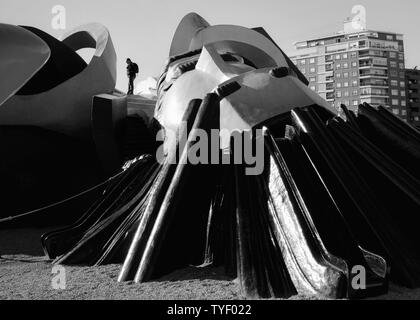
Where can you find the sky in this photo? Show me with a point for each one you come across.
(143, 30)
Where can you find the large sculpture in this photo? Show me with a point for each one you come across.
(334, 212)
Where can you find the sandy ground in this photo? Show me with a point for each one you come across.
(26, 274)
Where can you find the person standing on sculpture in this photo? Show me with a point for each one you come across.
(132, 70)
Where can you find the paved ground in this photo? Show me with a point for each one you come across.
(26, 274)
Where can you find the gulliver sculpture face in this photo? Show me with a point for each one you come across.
(204, 58)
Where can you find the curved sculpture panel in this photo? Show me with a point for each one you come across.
(63, 64)
(66, 108)
(22, 55)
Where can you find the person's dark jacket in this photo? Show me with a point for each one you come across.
(132, 69)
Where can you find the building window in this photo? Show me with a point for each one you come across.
(403, 103)
(401, 56)
(402, 74)
(355, 92)
(400, 37)
(394, 83)
(312, 70)
(345, 65)
(338, 85)
(338, 75)
(404, 112)
(396, 111)
(395, 102)
(345, 74)
(338, 66)
(353, 55)
(401, 65)
(402, 93)
(302, 62)
(312, 79)
(393, 64)
(394, 92)
(345, 56)
(337, 57)
(355, 103)
(394, 73)
(392, 54)
(346, 84)
(313, 88)
(355, 83)
(312, 60)
(354, 64)
(338, 94)
(389, 37)
(402, 84)
(354, 74)
(346, 93)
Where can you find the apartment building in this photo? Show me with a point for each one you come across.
(412, 79)
(356, 66)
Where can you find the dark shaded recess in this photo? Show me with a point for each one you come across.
(136, 138)
(221, 228)
(39, 167)
(63, 64)
(388, 134)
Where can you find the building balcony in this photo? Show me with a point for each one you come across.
(370, 53)
(364, 66)
(373, 75)
(381, 83)
(374, 95)
(373, 86)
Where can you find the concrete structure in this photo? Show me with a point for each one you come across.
(356, 66)
(412, 77)
(65, 108)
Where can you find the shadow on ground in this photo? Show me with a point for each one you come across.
(22, 241)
